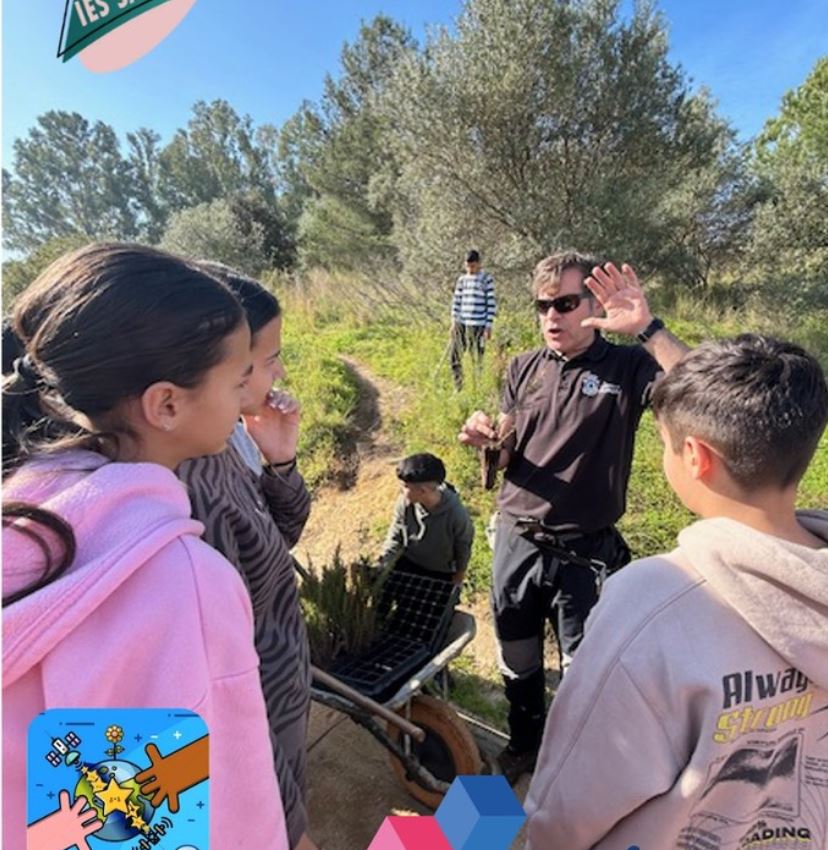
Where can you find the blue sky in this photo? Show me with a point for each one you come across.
(266, 56)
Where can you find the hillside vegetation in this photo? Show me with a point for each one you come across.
(411, 353)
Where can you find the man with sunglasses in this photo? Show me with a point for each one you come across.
(566, 434)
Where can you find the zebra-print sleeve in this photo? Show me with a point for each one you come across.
(251, 519)
(204, 479)
(289, 502)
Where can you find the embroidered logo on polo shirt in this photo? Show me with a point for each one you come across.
(592, 385)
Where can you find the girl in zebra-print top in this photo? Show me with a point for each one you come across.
(254, 505)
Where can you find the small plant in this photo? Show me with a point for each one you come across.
(340, 606)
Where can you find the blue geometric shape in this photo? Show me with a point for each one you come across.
(480, 813)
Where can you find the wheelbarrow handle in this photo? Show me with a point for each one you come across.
(367, 703)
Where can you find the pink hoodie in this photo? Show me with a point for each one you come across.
(147, 615)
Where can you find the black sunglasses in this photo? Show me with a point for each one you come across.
(562, 304)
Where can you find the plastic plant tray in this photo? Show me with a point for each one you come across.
(416, 612)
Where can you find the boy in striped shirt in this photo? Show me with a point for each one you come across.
(472, 312)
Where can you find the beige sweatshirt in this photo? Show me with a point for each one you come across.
(695, 713)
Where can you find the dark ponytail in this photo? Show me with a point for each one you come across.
(31, 421)
(13, 347)
(48, 522)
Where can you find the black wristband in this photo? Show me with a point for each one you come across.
(277, 468)
(655, 325)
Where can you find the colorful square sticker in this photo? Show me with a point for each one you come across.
(120, 779)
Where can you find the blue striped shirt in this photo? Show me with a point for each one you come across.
(474, 300)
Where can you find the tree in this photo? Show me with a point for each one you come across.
(262, 220)
(69, 177)
(789, 240)
(214, 157)
(18, 274)
(144, 158)
(338, 160)
(704, 221)
(540, 125)
(242, 232)
(800, 131)
(290, 150)
(220, 157)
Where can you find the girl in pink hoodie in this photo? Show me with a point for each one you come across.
(134, 361)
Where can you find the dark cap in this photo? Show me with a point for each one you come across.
(417, 469)
(473, 257)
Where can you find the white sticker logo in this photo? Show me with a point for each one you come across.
(593, 385)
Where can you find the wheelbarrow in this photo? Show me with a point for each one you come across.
(429, 744)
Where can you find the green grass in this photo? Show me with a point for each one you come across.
(412, 356)
(478, 696)
(654, 514)
(328, 393)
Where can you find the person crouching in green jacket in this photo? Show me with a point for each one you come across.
(431, 533)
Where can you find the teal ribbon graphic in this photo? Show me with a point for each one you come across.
(85, 21)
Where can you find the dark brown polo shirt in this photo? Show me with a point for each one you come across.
(573, 445)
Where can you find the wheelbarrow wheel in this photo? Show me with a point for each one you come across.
(449, 750)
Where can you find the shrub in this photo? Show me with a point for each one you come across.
(339, 603)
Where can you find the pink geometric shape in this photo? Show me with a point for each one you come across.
(133, 39)
(409, 833)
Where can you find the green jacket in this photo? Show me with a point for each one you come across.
(439, 540)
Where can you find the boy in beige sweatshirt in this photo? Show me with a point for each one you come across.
(695, 714)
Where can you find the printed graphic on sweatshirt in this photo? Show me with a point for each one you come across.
(763, 778)
(122, 779)
(754, 702)
(769, 787)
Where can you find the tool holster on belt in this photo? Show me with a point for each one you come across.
(555, 542)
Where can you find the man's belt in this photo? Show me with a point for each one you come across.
(554, 542)
(532, 525)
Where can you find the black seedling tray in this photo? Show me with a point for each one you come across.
(383, 668)
(416, 612)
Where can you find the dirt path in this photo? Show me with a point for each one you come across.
(353, 513)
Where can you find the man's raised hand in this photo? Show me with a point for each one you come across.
(620, 294)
